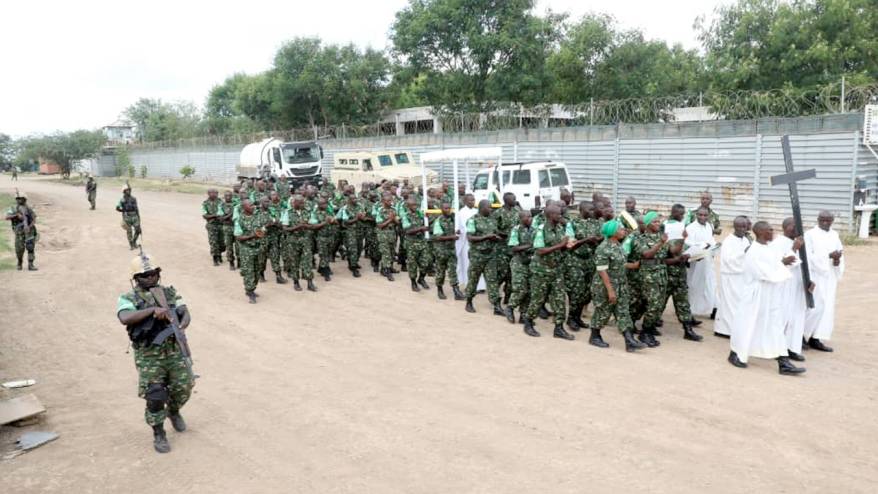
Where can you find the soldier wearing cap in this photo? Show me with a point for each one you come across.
(164, 380)
(130, 216)
(91, 191)
(23, 217)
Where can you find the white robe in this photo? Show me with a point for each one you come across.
(792, 295)
(462, 246)
(731, 281)
(820, 320)
(757, 326)
(700, 276)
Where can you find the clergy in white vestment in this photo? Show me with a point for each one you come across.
(731, 275)
(700, 275)
(793, 303)
(826, 265)
(462, 246)
(757, 327)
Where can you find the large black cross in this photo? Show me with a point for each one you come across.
(790, 178)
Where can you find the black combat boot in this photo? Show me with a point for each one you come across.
(560, 332)
(177, 421)
(423, 282)
(160, 439)
(30, 266)
(734, 360)
(296, 286)
(510, 315)
(786, 368)
(327, 276)
(215, 261)
(577, 316)
(440, 292)
(231, 265)
(18, 267)
(543, 313)
(279, 278)
(498, 310)
(695, 322)
(506, 298)
(251, 296)
(713, 314)
(689, 333)
(355, 272)
(403, 266)
(646, 337)
(375, 265)
(458, 295)
(596, 340)
(415, 287)
(311, 286)
(571, 322)
(630, 343)
(529, 328)
(469, 306)
(262, 277)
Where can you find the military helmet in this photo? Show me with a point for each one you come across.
(143, 263)
(19, 195)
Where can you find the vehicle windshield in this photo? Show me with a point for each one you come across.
(301, 153)
(559, 177)
(384, 160)
(481, 182)
(401, 158)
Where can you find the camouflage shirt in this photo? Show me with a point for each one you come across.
(213, 208)
(479, 226)
(522, 235)
(443, 226)
(609, 257)
(546, 236)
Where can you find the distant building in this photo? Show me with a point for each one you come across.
(424, 120)
(119, 132)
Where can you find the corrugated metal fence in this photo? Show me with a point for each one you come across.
(659, 165)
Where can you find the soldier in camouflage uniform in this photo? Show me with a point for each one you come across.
(91, 191)
(579, 263)
(263, 210)
(507, 218)
(546, 282)
(351, 215)
(130, 216)
(25, 238)
(228, 229)
(274, 236)
(322, 221)
(412, 222)
(385, 222)
(296, 222)
(165, 380)
(678, 288)
(482, 236)
(282, 187)
(371, 200)
(212, 211)
(651, 249)
(609, 289)
(444, 247)
(249, 232)
(636, 301)
(521, 243)
(258, 193)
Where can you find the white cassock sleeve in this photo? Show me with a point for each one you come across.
(820, 321)
(757, 328)
(700, 275)
(791, 295)
(731, 281)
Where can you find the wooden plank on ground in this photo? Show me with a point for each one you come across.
(19, 408)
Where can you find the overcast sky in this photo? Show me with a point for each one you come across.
(78, 64)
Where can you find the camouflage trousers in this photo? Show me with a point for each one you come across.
(603, 310)
(163, 364)
(678, 289)
(91, 198)
(636, 300)
(654, 292)
(231, 245)
(23, 243)
(215, 238)
(445, 264)
(301, 259)
(416, 256)
(370, 239)
(504, 273)
(578, 274)
(482, 263)
(273, 250)
(401, 254)
(386, 243)
(353, 244)
(325, 243)
(519, 276)
(547, 285)
(250, 253)
(132, 228)
(337, 239)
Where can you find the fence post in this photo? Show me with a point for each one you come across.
(856, 158)
(842, 94)
(757, 177)
(591, 111)
(616, 171)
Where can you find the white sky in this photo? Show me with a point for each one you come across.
(78, 64)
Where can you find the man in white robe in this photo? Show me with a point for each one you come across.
(700, 275)
(462, 246)
(793, 303)
(826, 266)
(757, 327)
(731, 276)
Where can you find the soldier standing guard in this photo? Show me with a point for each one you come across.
(91, 191)
(165, 380)
(22, 218)
(482, 235)
(130, 216)
(212, 211)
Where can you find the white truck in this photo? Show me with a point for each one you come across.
(532, 183)
(300, 162)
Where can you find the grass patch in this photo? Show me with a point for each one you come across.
(7, 238)
(116, 184)
(852, 239)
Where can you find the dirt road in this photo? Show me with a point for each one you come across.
(368, 387)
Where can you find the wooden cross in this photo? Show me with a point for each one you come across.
(790, 178)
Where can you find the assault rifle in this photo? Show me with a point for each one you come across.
(173, 328)
(26, 225)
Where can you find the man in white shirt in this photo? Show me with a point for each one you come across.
(826, 267)
(700, 275)
(757, 326)
(731, 275)
(792, 298)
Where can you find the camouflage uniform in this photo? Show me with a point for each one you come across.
(444, 251)
(228, 231)
(610, 258)
(298, 245)
(482, 258)
(159, 364)
(507, 218)
(283, 190)
(250, 250)
(519, 266)
(91, 190)
(579, 265)
(637, 300)
(415, 245)
(368, 231)
(653, 277)
(325, 236)
(214, 226)
(24, 240)
(130, 218)
(386, 236)
(678, 289)
(274, 242)
(353, 233)
(546, 284)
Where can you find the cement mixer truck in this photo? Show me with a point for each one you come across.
(300, 162)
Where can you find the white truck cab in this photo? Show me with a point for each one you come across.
(300, 162)
(532, 183)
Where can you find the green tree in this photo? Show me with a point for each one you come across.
(7, 151)
(60, 148)
(584, 47)
(158, 121)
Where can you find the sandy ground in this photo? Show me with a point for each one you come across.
(368, 387)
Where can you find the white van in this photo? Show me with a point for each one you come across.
(532, 183)
(375, 166)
